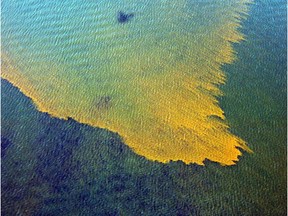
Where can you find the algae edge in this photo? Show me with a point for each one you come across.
(225, 55)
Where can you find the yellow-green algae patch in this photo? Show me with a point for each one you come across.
(154, 80)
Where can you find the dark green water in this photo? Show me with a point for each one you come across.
(53, 167)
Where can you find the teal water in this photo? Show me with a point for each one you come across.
(52, 167)
(35, 32)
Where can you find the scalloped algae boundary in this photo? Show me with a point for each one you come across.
(160, 98)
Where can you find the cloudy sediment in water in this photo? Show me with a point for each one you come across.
(147, 70)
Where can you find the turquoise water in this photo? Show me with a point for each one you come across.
(52, 167)
(35, 31)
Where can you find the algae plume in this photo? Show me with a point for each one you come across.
(154, 80)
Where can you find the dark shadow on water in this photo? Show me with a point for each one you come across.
(5, 144)
(124, 17)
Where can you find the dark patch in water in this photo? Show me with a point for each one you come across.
(104, 103)
(55, 160)
(123, 17)
(5, 143)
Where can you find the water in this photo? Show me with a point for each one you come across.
(152, 79)
(53, 166)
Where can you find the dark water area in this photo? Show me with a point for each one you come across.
(60, 167)
(123, 17)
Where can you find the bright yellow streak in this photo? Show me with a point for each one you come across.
(159, 94)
